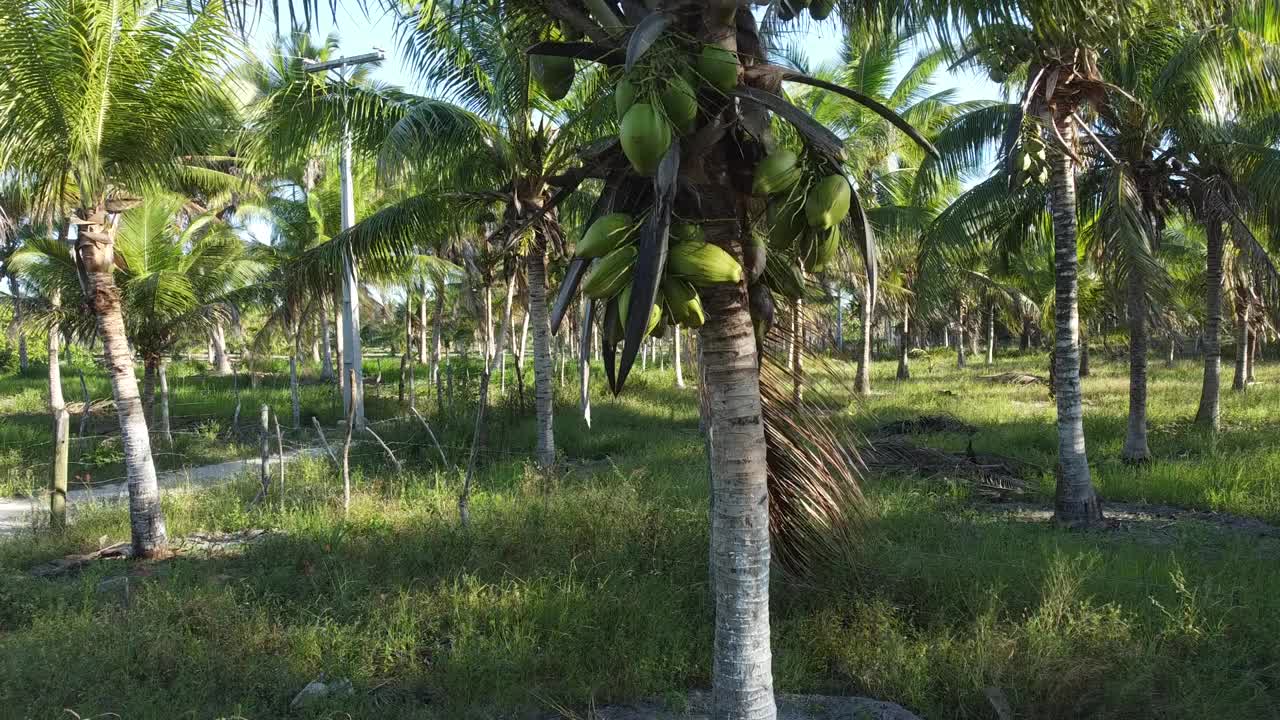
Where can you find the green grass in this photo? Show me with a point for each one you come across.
(592, 586)
(201, 407)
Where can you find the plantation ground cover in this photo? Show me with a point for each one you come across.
(591, 586)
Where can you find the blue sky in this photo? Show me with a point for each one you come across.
(359, 32)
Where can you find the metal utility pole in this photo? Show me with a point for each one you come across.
(352, 354)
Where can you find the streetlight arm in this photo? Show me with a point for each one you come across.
(327, 65)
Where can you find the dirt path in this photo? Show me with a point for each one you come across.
(17, 514)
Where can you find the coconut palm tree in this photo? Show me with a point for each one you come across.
(175, 275)
(485, 137)
(46, 263)
(111, 97)
(693, 186)
(1053, 55)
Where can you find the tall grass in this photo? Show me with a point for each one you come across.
(591, 586)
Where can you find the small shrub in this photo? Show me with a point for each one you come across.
(107, 452)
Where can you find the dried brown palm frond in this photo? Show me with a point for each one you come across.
(816, 504)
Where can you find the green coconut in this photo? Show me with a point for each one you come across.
(606, 234)
(624, 306)
(777, 173)
(823, 248)
(681, 105)
(624, 96)
(686, 232)
(718, 68)
(821, 9)
(828, 201)
(786, 222)
(645, 137)
(553, 73)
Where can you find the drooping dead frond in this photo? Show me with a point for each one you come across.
(815, 500)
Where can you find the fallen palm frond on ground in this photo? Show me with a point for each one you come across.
(924, 424)
(1014, 378)
(990, 475)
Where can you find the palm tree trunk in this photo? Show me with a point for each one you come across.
(904, 344)
(150, 365)
(742, 673)
(960, 344)
(95, 247)
(16, 330)
(862, 381)
(1173, 350)
(221, 360)
(544, 394)
(295, 404)
(1135, 448)
(1076, 504)
(422, 325)
(339, 348)
(1254, 348)
(61, 429)
(437, 333)
(991, 334)
(488, 325)
(163, 376)
(408, 346)
(1084, 353)
(676, 360)
(1208, 413)
(520, 348)
(326, 357)
(1024, 339)
(1241, 379)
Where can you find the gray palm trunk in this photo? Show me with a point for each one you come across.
(1135, 448)
(221, 360)
(1241, 379)
(150, 368)
(862, 381)
(544, 393)
(489, 350)
(904, 344)
(742, 673)
(960, 340)
(61, 431)
(294, 397)
(1084, 352)
(1208, 412)
(676, 360)
(422, 325)
(991, 334)
(163, 377)
(437, 332)
(1076, 503)
(326, 356)
(1254, 351)
(95, 247)
(338, 347)
(16, 327)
